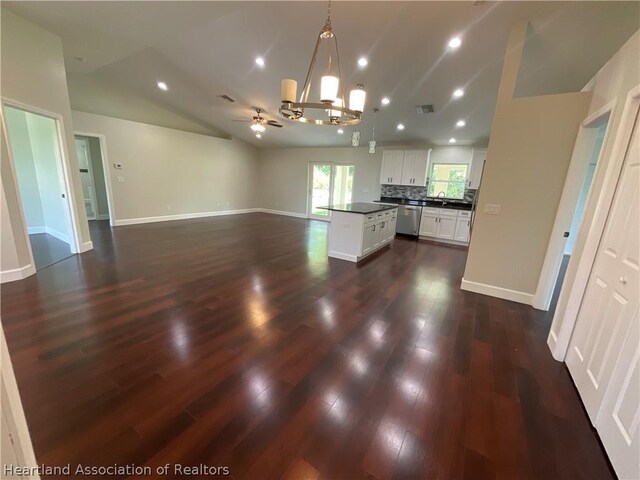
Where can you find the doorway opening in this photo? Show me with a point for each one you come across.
(94, 185)
(329, 184)
(36, 151)
(596, 131)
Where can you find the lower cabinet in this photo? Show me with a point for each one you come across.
(445, 224)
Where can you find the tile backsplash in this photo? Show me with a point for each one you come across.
(417, 193)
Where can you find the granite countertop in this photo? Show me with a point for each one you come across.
(359, 207)
(449, 203)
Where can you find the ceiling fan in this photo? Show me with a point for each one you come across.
(259, 123)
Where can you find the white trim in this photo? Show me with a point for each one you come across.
(94, 196)
(456, 243)
(49, 231)
(86, 246)
(573, 183)
(36, 230)
(181, 216)
(105, 168)
(17, 273)
(343, 256)
(499, 292)
(594, 231)
(282, 212)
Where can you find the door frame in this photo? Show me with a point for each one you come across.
(573, 183)
(559, 343)
(105, 169)
(64, 173)
(94, 201)
(331, 185)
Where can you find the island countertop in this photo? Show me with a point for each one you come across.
(360, 207)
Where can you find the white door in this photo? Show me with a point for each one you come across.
(462, 229)
(604, 348)
(420, 168)
(446, 227)
(429, 225)
(368, 238)
(86, 176)
(408, 168)
(477, 165)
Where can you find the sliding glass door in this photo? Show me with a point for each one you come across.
(329, 184)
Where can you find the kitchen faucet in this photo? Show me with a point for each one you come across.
(443, 197)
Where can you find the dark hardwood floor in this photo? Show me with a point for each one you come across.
(47, 249)
(234, 341)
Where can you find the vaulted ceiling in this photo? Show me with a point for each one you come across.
(206, 49)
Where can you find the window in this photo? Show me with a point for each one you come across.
(448, 178)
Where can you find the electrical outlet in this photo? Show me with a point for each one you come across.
(491, 209)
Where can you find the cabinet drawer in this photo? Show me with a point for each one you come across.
(386, 213)
(445, 212)
(427, 210)
(464, 213)
(369, 218)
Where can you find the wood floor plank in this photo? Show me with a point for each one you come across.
(235, 341)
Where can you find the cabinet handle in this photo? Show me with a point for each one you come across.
(374, 228)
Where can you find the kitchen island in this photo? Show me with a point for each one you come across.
(359, 229)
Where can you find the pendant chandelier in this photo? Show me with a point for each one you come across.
(332, 108)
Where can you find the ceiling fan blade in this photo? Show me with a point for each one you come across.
(273, 123)
(243, 121)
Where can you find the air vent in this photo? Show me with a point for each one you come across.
(227, 98)
(422, 109)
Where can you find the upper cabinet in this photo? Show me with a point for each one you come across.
(401, 167)
(414, 169)
(392, 162)
(477, 165)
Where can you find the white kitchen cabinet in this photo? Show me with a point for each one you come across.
(446, 227)
(414, 169)
(445, 224)
(477, 165)
(462, 229)
(429, 223)
(392, 164)
(353, 236)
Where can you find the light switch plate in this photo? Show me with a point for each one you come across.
(120, 179)
(491, 209)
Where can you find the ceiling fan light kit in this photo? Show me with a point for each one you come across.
(332, 105)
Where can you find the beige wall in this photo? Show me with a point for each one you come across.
(170, 172)
(33, 74)
(527, 160)
(612, 83)
(284, 173)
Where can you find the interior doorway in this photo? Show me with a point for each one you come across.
(35, 148)
(94, 186)
(598, 133)
(329, 184)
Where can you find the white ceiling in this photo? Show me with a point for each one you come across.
(205, 49)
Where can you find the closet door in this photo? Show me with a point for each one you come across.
(604, 349)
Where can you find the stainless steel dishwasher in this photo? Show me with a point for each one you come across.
(408, 219)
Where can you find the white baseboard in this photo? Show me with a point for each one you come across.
(282, 212)
(498, 292)
(343, 256)
(49, 231)
(86, 246)
(17, 273)
(181, 216)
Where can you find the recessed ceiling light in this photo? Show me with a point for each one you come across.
(163, 86)
(460, 123)
(385, 101)
(363, 62)
(458, 93)
(340, 131)
(452, 140)
(258, 135)
(80, 59)
(400, 126)
(455, 42)
(260, 61)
